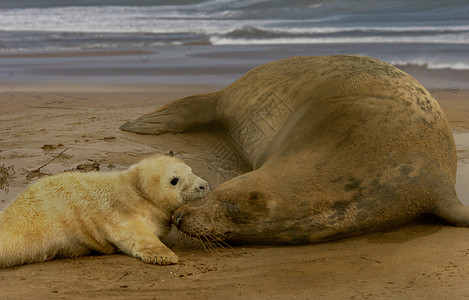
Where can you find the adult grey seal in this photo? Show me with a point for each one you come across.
(340, 146)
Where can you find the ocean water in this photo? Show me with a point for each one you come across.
(433, 34)
(45, 25)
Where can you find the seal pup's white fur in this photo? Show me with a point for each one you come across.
(73, 214)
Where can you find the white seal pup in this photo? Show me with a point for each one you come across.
(73, 214)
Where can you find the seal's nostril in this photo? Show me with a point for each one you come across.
(177, 218)
(203, 187)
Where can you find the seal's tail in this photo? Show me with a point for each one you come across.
(452, 210)
(177, 116)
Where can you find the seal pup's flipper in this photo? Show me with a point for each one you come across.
(177, 116)
(453, 211)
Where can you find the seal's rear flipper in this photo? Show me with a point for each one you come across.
(177, 116)
(453, 211)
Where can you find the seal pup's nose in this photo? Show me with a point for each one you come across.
(203, 187)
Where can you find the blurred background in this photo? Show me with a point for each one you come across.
(216, 41)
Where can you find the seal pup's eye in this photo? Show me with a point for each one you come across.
(174, 181)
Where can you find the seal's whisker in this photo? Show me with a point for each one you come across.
(204, 243)
(196, 239)
(217, 241)
(222, 244)
(209, 243)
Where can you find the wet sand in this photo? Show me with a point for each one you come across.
(426, 259)
(197, 64)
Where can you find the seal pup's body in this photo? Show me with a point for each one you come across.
(339, 145)
(73, 214)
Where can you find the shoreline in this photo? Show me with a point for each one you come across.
(192, 64)
(64, 54)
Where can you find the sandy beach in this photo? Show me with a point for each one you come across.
(426, 259)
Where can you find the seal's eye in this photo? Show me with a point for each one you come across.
(174, 181)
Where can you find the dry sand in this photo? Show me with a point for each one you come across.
(427, 259)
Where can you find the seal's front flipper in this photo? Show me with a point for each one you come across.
(453, 211)
(177, 116)
(134, 238)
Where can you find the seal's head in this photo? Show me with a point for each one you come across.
(169, 180)
(236, 213)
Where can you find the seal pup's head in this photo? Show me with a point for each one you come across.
(168, 180)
